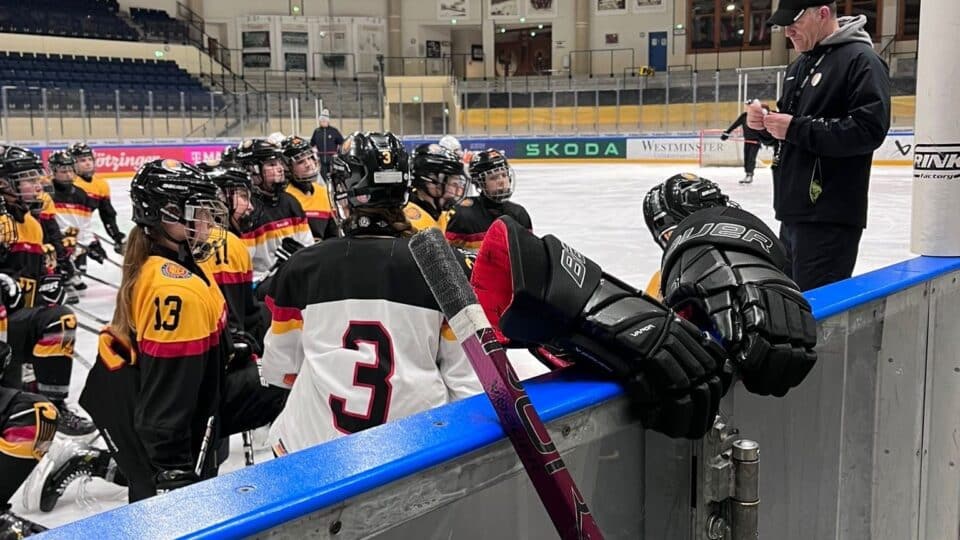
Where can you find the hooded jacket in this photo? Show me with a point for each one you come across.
(839, 96)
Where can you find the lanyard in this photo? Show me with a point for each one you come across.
(796, 93)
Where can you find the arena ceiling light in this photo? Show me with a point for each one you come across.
(731, 7)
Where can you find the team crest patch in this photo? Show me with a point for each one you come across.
(412, 213)
(466, 202)
(174, 271)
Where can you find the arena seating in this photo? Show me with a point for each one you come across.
(77, 18)
(99, 77)
(159, 25)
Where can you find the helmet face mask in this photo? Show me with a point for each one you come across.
(181, 204)
(438, 176)
(497, 184)
(492, 174)
(304, 167)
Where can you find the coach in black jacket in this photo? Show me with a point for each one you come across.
(834, 112)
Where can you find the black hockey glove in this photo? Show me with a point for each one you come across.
(95, 251)
(118, 243)
(10, 294)
(541, 291)
(65, 266)
(51, 290)
(245, 348)
(727, 265)
(724, 136)
(175, 479)
(288, 246)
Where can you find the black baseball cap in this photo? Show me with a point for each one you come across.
(791, 10)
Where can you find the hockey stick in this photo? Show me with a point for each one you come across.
(530, 439)
(248, 448)
(86, 313)
(103, 281)
(104, 239)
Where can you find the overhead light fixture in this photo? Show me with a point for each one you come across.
(740, 31)
(540, 26)
(679, 26)
(731, 7)
(416, 99)
(533, 33)
(453, 21)
(502, 29)
(296, 9)
(523, 19)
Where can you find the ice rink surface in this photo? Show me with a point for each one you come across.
(595, 208)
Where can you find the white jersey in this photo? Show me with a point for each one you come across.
(359, 339)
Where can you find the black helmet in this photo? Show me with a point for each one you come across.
(488, 163)
(370, 171)
(167, 190)
(229, 156)
(234, 182)
(295, 149)
(61, 158)
(251, 155)
(668, 203)
(80, 150)
(18, 165)
(436, 165)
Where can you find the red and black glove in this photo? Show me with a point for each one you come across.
(542, 292)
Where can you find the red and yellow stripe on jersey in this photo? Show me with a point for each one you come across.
(230, 264)
(97, 189)
(285, 219)
(3, 323)
(286, 329)
(316, 206)
(74, 209)
(653, 286)
(421, 220)
(58, 338)
(48, 209)
(176, 313)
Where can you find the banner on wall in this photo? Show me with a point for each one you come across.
(122, 161)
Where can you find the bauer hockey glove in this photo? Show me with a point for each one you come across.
(51, 289)
(541, 291)
(727, 265)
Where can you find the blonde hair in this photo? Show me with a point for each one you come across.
(136, 251)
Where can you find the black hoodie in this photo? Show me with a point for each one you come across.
(840, 116)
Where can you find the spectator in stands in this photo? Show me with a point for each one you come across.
(833, 113)
(326, 141)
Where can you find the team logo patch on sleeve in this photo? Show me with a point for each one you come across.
(174, 271)
(412, 213)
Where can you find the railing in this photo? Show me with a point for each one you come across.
(35, 115)
(610, 68)
(865, 447)
(417, 65)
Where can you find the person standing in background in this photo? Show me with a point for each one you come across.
(751, 144)
(326, 141)
(833, 113)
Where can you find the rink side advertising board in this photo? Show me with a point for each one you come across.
(122, 161)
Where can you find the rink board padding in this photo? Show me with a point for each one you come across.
(863, 449)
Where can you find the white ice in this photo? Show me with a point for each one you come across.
(595, 208)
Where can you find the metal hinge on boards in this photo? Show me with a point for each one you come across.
(729, 498)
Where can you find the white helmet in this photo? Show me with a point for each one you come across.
(452, 144)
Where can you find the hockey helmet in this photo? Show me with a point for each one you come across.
(438, 169)
(369, 171)
(491, 166)
(668, 203)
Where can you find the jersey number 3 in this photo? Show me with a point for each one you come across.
(375, 376)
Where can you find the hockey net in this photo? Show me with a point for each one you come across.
(715, 152)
